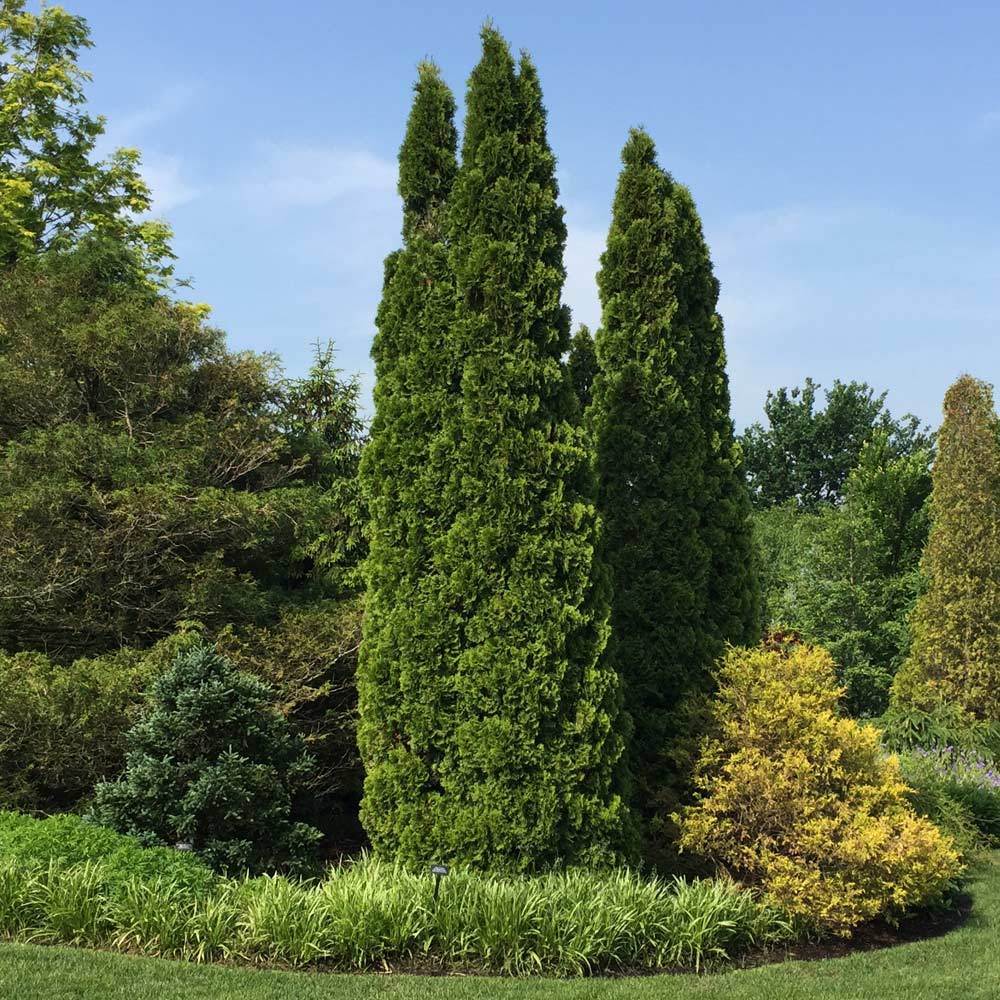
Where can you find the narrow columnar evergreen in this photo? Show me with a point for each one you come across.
(671, 493)
(402, 661)
(956, 622)
(518, 772)
(651, 453)
(734, 608)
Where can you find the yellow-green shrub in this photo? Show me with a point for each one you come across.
(955, 656)
(804, 803)
(62, 726)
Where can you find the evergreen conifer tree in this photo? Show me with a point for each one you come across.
(211, 763)
(671, 493)
(651, 453)
(402, 669)
(955, 654)
(734, 602)
(517, 767)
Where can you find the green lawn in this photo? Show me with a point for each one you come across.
(964, 965)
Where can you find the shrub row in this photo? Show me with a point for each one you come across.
(373, 914)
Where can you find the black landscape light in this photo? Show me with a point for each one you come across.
(438, 871)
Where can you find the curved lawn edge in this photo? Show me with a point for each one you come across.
(963, 964)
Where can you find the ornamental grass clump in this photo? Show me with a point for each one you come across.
(374, 914)
(804, 804)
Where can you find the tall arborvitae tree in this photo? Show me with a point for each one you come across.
(518, 765)
(400, 668)
(676, 510)
(651, 459)
(956, 622)
(734, 601)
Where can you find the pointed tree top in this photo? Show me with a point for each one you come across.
(968, 395)
(639, 149)
(492, 99)
(427, 160)
(494, 44)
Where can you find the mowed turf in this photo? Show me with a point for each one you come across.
(961, 965)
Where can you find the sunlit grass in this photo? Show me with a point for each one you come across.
(377, 915)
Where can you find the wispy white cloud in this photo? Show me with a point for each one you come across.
(165, 177)
(165, 173)
(135, 124)
(314, 176)
(768, 228)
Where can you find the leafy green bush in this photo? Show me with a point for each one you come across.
(970, 780)
(928, 721)
(63, 726)
(372, 913)
(68, 841)
(213, 765)
(930, 797)
(805, 803)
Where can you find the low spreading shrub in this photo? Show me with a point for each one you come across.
(373, 914)
(214, 766)
(967, 778)
(68, 841)
(804, 803)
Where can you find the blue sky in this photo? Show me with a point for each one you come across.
(845, 159)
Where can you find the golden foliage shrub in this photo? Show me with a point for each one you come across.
(803, 803)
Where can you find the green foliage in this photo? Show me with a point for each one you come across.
(149, 475)
(930, 797)
(491, 737)
(674, 505)
(805, 455)
(804, 803)
(66, 841)
(971, 780)
(212, 765)
(52, 189)
(375, 915)
(62, 726)
(582, 365)
(956, 622)
(308, 658)
(859, 577)
(401, 671)
(784, 536)
(733, 596)
(936, 723)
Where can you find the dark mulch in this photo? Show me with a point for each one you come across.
(871, 936)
